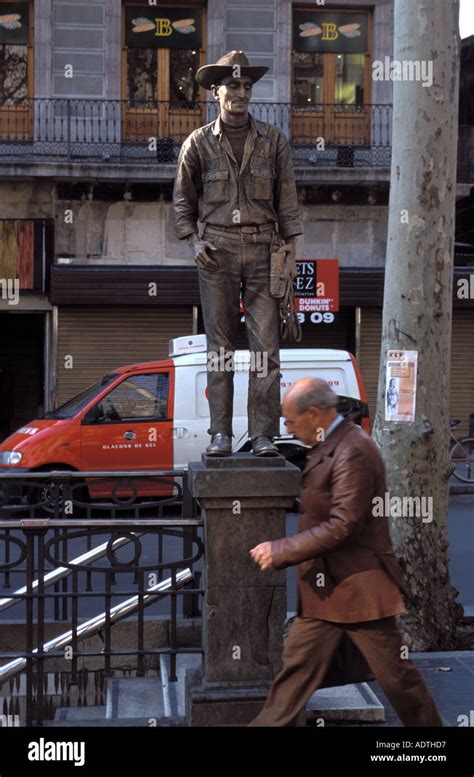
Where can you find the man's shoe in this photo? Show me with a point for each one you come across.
(220, 445)
(262, 446)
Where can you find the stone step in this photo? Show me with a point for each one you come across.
(106, 723)
(80, 713)
(151, 697)
(155, 701)
(356, 702)
(174, 692)
(135, 697)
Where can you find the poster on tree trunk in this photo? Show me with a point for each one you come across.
(400, 393)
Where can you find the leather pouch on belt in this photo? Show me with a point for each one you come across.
(279, 272)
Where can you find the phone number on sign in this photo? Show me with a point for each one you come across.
(317, 318)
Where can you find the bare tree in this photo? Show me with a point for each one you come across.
(418, 304)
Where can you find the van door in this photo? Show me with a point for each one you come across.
(130, 429)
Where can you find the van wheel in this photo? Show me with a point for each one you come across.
(42, 499)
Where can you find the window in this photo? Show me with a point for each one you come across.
(331, 77)
(13, 74)
(14, 39)
(143, 81)
(141, 397)
(70, 408)
(16, 71)
(350, 76)
(142, 75)
(330, 57)
(308, 78)
(183, 87)
(163, 47)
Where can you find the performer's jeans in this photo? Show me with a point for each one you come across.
(242, 258)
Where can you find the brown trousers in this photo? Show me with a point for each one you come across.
(307, 655)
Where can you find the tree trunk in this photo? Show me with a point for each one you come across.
(418, 308)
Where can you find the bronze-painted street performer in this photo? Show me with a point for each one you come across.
(235, 176)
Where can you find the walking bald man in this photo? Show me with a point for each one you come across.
(349, 580)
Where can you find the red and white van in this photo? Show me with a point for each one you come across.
(155, 415)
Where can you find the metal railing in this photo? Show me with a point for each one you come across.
(124, 131)
(79, 571)
(55, 130)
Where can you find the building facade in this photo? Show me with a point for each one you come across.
(95, 101)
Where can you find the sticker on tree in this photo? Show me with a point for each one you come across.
(400, 391)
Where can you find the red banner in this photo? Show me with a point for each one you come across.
(317, 286)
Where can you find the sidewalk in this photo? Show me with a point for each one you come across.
(453, 690)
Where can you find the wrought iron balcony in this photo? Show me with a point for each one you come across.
(112, 132)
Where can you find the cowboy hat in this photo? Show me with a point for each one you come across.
(209, 74)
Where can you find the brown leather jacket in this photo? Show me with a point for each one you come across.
(210, 187)
(339, 537)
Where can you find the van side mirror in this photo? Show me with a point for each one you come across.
(95, 415)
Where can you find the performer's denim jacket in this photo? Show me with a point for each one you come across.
(210, 188)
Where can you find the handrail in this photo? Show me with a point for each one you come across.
(91, 626)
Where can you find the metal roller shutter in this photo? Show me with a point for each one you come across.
(101, 339)
(369, 360)
(462, 369)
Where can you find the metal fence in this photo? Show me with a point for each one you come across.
(91, 564)
(67, 129)
(56, 130)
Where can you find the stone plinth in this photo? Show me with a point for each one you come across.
(244, 499)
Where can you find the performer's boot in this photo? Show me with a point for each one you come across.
(220, 445)
(263, 446)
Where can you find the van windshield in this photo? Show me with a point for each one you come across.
(70, 408)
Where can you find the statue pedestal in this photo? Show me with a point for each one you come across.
(244, 499)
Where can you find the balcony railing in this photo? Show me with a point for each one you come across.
(119, 131)
(116, 132)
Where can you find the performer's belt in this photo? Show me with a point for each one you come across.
(270, 227)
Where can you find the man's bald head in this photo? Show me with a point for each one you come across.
(309, 407)
(311, 392)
